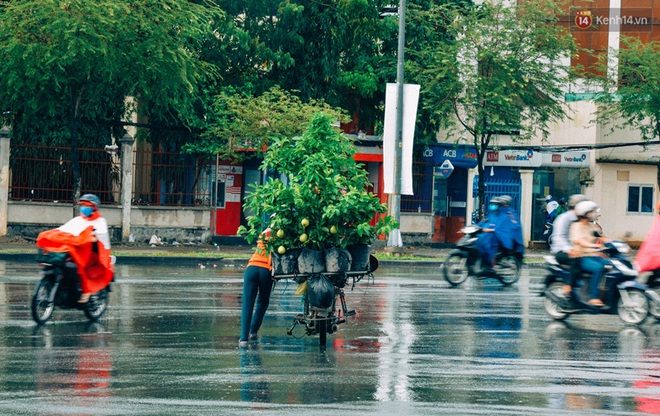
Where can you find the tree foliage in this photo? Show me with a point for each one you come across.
(634, 93)
(496, 70)
(324, 196)
(63, 62)
(240, 121)
(330, 51)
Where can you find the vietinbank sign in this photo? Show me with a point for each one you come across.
(522, 158)
(531, 159)
(566, 159)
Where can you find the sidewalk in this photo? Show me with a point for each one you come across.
(21, 249)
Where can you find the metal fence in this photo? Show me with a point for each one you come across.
(45, 174)
(171, 179)
(499, 187)
(421, 200)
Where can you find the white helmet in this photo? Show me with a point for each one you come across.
(575, 199)
(582, 208)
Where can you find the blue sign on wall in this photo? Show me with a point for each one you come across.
(460, 156)
(445, 169)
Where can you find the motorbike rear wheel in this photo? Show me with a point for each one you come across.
(455, 269)
(322, 326)
(508, 271)
(41, 306)
(551, 307)
(636, 309)
(97, 305)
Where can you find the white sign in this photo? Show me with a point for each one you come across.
(522, 158)
(571, 159)
(410, 99)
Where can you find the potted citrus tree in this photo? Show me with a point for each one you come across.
(317, 199)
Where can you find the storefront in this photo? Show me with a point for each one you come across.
(449, 166)
(554, 173)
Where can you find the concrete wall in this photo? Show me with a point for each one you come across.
(181, 224)
(610, 191)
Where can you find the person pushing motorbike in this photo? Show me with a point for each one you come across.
(560, 243)
(87, 240)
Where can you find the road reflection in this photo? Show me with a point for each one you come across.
(416, 346)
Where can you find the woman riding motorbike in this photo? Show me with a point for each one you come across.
(587, 243)
(87, 241)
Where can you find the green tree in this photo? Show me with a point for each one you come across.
(240, 123)
(76, 60)
(494, 70)
(324, 200)
(330, 51)
(632, 96)
(634, 93)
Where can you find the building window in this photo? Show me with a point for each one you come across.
(640, 199)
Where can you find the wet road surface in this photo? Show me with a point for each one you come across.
(168, 345)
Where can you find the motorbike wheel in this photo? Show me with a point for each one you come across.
(455, 269)
(322, 325)
(654, 309)
(41, 306)
(97, 305)
(551, 307)
(508, 271)
(636, 311)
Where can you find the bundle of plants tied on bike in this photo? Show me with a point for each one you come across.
(316, 201)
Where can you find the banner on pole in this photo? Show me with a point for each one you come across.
(410, 100)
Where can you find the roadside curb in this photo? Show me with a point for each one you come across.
(533, 263)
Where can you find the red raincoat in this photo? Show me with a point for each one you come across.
(77, 237)
(648, 256)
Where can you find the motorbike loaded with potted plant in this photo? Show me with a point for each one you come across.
(322, 218)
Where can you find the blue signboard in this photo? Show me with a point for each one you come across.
(460, 156)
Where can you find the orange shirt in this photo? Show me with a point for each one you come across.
(261, 258)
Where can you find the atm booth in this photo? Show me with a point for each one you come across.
(450, 164)
(226, 185)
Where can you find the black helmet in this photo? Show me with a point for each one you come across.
(91, 198)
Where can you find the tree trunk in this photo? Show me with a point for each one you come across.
(481, 185)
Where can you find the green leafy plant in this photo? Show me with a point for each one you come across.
(320, 198)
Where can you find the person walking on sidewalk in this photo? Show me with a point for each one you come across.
(257, 285)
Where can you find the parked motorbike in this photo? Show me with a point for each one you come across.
(59, 287)
(465, 261)
(621, 291)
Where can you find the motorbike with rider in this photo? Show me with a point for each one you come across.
(595, 275)
(493, 248)
(648, 263)
(77, 265)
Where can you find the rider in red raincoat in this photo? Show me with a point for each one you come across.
(648, 255)
(87, 241)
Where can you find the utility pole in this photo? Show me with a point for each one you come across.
(395, 198)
